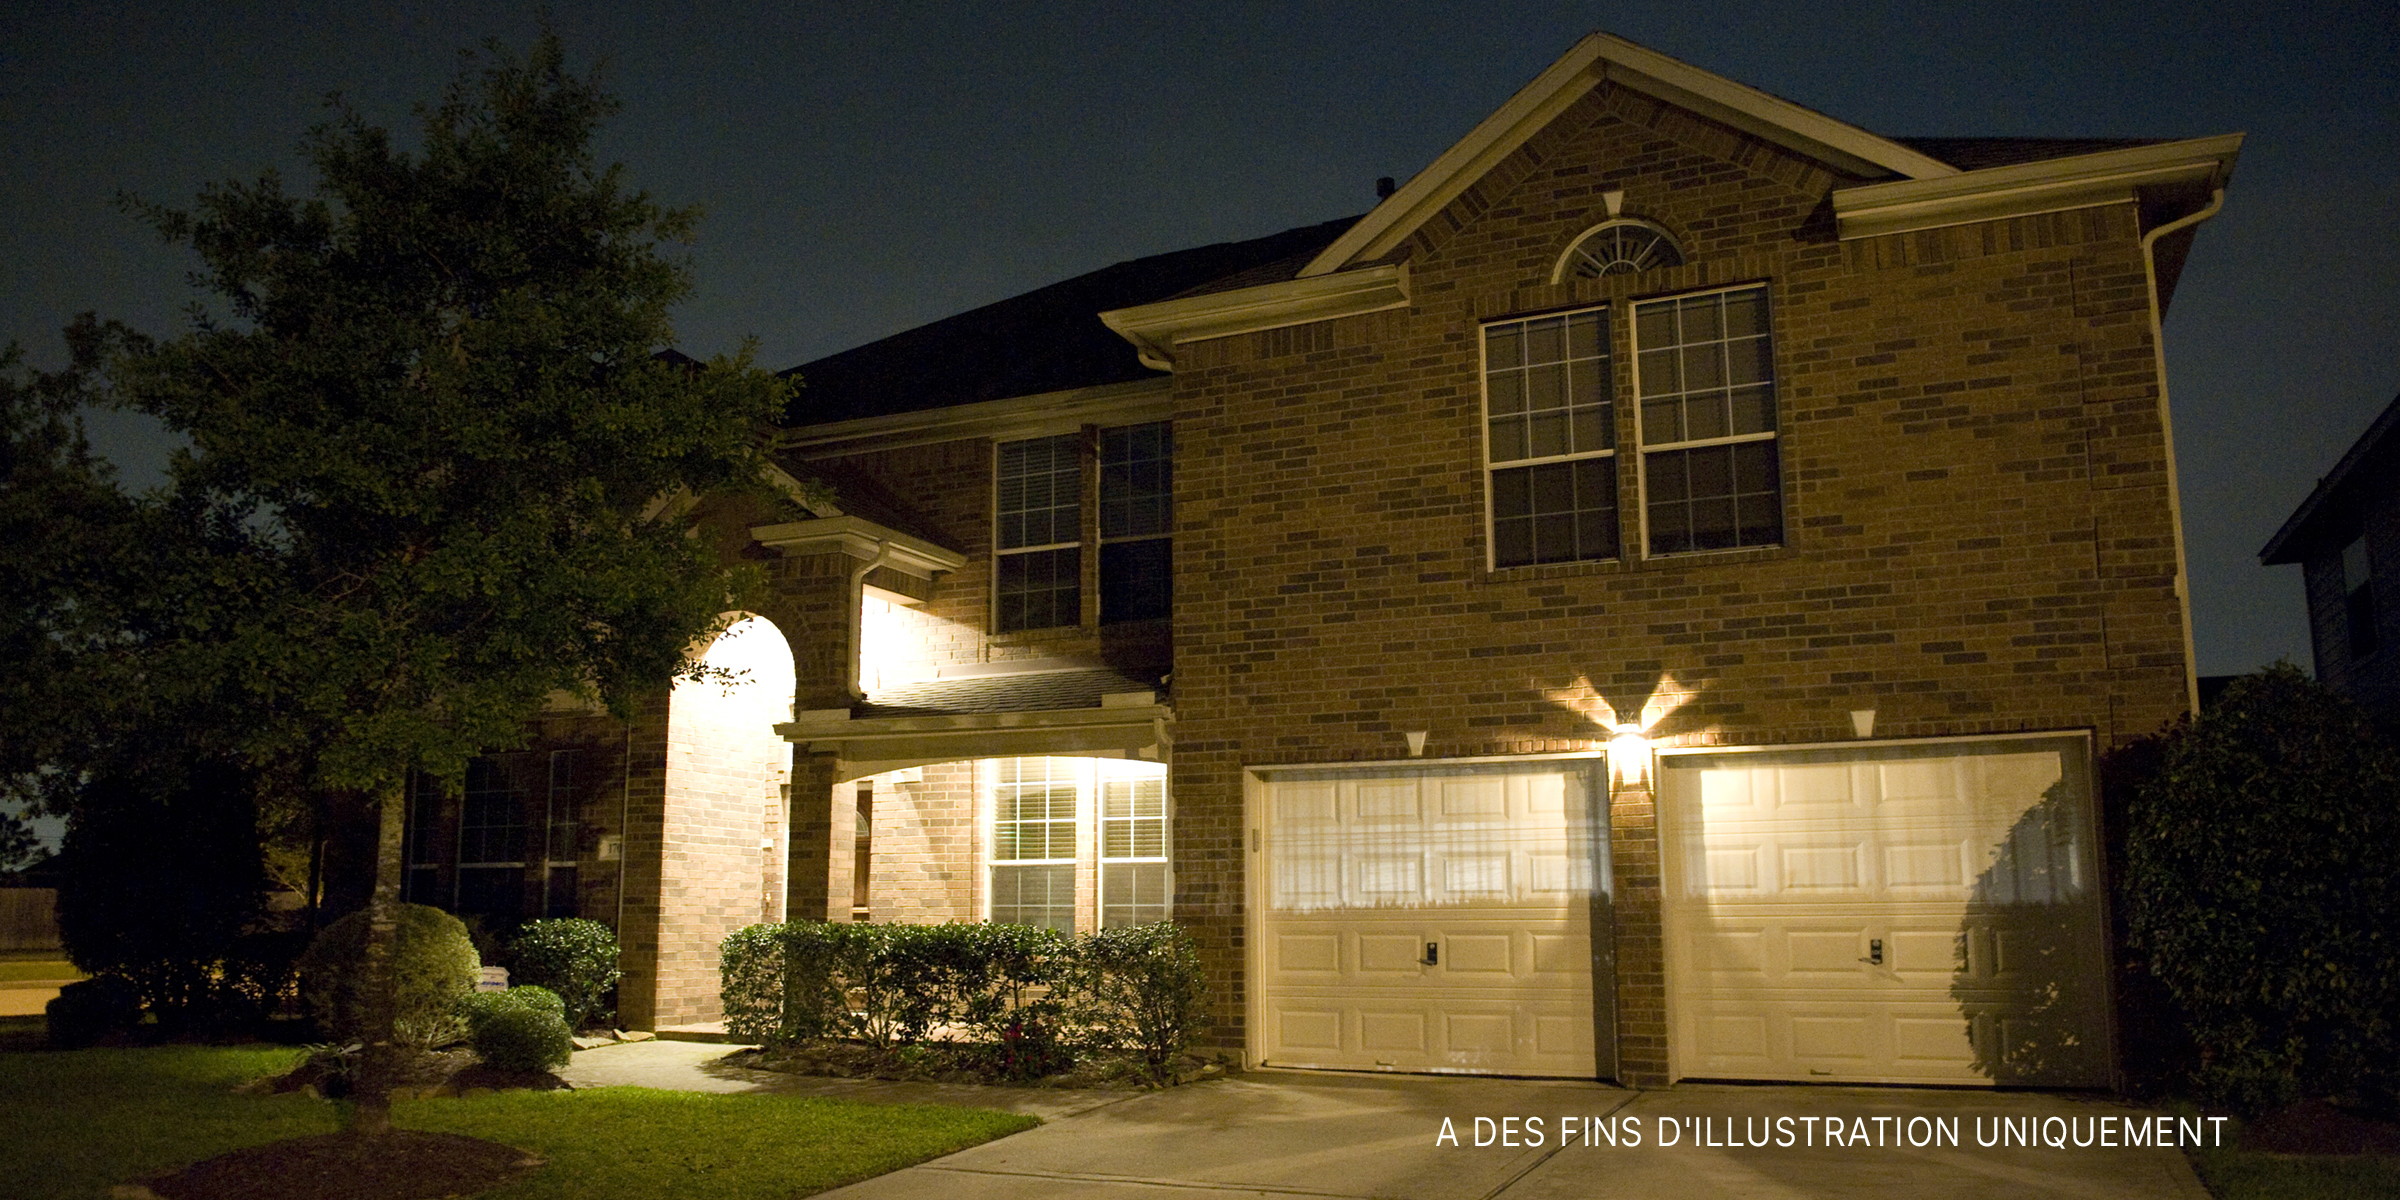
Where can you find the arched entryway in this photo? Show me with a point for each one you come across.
(725, 816)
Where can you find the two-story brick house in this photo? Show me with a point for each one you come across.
(1640, 602)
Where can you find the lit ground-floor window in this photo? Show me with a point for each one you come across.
(1078, 843)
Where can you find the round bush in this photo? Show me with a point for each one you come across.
(573, 957)
(88, 1010)
(433, 966)
(520, 1035)
(479, 1007)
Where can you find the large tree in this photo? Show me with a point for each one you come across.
(433, 450)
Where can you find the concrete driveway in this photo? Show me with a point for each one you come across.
(1290, 1133)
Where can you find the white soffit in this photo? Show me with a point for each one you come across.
(861, 539)
(1156, 329)
(2052, 185)
(1605, 58)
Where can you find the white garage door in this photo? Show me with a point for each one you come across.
(1921, 914)
(1432, 920)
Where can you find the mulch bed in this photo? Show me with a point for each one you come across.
(404, 1165)
(2317, 1127)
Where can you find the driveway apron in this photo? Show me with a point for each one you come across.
(1291, 1133)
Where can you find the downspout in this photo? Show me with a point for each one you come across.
(2158, 348)
(858, 602)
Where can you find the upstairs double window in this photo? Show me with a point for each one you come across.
(1042, 528)
(1704, 427)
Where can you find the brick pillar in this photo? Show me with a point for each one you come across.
(1641, 974)
(814, 849)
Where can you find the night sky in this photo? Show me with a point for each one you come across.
(870, 171)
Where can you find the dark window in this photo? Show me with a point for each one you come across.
(1704, 370)
(1039, 507)
(1137, 519)
(2358, 599)
(1550, 439)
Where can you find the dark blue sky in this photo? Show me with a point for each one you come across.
(873, 170)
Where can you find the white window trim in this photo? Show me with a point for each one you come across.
(1483, 432)
(1100, 818)
(1641, 436)
(1090, 863)
(1085, 462)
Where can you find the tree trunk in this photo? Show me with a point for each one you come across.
(378, 1067)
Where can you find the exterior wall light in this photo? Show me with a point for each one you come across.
(1629, 757)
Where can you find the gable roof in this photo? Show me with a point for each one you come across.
(2337, 498)
(1605, 58)
(1046, 340)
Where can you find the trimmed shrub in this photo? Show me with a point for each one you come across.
(574, 957)
(1031, 996)
(88, 1010)
(2262, 891)
(522, 1029)
(1142, 989)
(433, 965)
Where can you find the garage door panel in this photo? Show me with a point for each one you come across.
(1493, 867)
(1970, 865)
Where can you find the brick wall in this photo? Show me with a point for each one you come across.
(928, 855)
(1977, 533)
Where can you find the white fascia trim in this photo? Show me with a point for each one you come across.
(1128, 403)
(1156, 329)
(846, 729)
(871, 747)
(1604, 57)
(2053, 185)
(860, 538)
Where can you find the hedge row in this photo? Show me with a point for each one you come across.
(1035, 996)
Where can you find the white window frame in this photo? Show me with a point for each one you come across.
(1083, 522)
(1091, 779)
(1643, 447)
(1076, 778)
(1113, 772)
(1491, 467)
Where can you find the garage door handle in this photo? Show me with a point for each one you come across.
(1874, 952)
(1433, 954)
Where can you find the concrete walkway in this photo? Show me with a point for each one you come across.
(1295, 1133)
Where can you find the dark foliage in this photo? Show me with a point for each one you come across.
(573, 957)
(162, 878)
(2262, 892)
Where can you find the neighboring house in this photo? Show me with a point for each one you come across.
(1641, 602)
(2346, 538)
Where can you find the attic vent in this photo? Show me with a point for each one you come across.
(1620, 247)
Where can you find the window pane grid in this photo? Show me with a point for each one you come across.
(1550, 437)
(1041, 589)
(1034, 811)
(1040, 492)
(1703, 370)
(1547, 387)
(1136, 481)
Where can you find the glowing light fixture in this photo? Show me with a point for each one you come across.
(1629, 757)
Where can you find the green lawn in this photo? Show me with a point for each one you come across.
(2249, 1175)
(72, 1124)
(21, 970)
